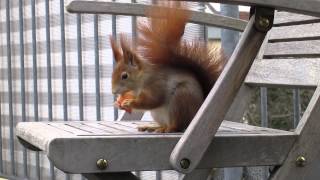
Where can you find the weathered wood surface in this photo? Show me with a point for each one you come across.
(133, 9)
(77, 152)
(240, 104)
(307, 145)
(295, 33)
(301, 73)
(283, 18)
(134, 116)
(243, 98)
(310, 7)
(198, 136)
(297, 49)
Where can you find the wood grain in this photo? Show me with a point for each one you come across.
(294, 49)
(300, 73)
(295, 33)
(283, 18)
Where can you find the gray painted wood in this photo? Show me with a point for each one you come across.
(297, 49)
(198, 136)
(294, 33)
(198, 174)
(302, 73)
(307, 145)
(242, 100)
(134, 116)
(134, 151)
(310, 7)
(111, 176)
(139, 10)
(240, 104)
(283, 18)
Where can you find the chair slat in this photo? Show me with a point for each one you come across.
(284, 18)
(303, 73)
(295, 33)
(296, 49)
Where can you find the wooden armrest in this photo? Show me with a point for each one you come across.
(309, 7)
(133, 9)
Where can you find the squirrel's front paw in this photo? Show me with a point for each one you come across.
(126, 104)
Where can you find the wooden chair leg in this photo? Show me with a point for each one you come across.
(111, 176)
(198, 174)
(303, 160)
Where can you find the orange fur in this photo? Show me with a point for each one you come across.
(160, 42)
(166, 75)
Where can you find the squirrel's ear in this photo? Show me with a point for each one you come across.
(115, 49)
(129, 56)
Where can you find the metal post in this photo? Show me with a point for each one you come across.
(134, 23)
(22, 89)
(264, 106)
(158, 175)
(35, 79)
(79, 52)
(97, 71)
(296, 107)
(114, 35)
(63, 58)
(11, 145)
(1, 160)
(202, 7)
(263, 171)
(48, 52)
(64, 68)
(229, 40)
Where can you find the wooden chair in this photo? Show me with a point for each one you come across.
(111, 150)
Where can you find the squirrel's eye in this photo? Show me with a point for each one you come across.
(124, 75)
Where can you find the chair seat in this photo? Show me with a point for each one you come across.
(75, 147)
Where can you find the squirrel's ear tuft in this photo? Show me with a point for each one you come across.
(115, 49)
(129, 56)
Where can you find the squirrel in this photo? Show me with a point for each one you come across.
(165, 74)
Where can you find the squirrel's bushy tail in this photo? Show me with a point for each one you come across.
(160, 42)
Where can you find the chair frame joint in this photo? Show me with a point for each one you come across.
(264, 18)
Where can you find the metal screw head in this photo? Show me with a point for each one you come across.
(185, 163)
(263, 22)
(102, 164)
(301, 161)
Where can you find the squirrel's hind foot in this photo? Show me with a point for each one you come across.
(156, 128)
(150, 127)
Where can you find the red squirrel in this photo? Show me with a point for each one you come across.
(165, 74)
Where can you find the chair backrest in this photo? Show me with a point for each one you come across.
(295, 72)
